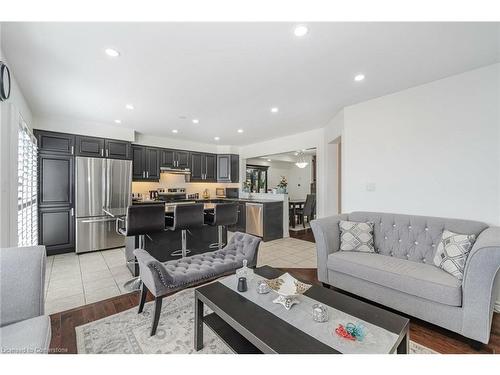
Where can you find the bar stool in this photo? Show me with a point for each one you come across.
(185, 217)
(140, 221)
(224, 214)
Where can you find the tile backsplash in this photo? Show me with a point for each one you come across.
(169, 180)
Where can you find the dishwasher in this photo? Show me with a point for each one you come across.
(255, 219)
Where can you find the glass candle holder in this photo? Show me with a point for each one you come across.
(263, 287)
(319, 313)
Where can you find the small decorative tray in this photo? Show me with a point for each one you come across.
(288, 288)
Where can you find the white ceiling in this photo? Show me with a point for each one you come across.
(229, 75)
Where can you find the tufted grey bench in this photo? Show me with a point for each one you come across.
(164, 278)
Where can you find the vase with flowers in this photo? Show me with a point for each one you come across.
(281, 188)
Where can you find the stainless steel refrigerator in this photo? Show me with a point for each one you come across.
(100, 183)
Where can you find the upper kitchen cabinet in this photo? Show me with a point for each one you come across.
(56, 180)
(100, 147)
(211, 168)
(51, 142)
(174, 159)
(228, 168)
(145, 163)
(203, 167)
(89, 146)
(117, 149)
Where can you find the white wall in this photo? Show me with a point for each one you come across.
(429, 150)
(11, 111)
(89, 128)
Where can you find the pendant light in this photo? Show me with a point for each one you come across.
(301, 160)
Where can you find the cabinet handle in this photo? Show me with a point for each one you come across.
(102, 152)
(72, 150)
(147, 174)
(107, 152)
(72, 212)
(143, 174)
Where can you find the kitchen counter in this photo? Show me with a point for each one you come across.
(169, 208)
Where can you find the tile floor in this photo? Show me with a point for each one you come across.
(75, 280)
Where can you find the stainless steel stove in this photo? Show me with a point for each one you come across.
(172, 195)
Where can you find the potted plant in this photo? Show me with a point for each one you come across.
(282, 185)
(246, 186)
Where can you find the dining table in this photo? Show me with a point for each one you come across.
(293, 204)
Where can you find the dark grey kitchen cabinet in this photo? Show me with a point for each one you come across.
(89, 146)
(174, 159)
(210, 167)
(138, 162)
(145, 163)
(56, 180)
(56, 229)
(152, 163)
(52, 142)
(228, 168)
(240, 225)
(116, 149)
(196, 168)
(203, 167)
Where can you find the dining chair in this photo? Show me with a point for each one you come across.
(308, 210)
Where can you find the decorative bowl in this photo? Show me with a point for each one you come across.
(288, 286)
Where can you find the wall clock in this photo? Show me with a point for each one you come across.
(4, 82)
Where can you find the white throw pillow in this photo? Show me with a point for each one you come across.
(356, 236)
(452, 252)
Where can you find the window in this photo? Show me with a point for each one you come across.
(27, 213)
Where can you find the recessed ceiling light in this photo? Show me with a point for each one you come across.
(129, 106)
(216, 138)
(268, 159)
(274, 110)
(240, 130)
(359, 77)
(112, 52)
(295, 153)
(175, 131)
(196, 121)
(118, 121)
(300, 30)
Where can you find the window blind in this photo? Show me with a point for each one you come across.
(27, 211)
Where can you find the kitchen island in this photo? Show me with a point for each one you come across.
(161, 245)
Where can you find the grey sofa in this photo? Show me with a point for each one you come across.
(401, 274)
(23, 326)
(162, 279)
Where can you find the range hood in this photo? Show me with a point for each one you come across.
(185, 171)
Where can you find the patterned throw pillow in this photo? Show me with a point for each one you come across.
(452, 252)
(356, 236)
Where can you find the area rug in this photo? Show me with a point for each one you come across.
(128, 332)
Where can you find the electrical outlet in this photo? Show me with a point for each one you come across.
(371, 186)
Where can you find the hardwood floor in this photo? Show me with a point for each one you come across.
(426, 334)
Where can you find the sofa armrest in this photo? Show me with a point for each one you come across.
(22, 283)
(481, 277)
(327, 236)
(153, 273)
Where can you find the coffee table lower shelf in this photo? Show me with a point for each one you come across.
(236, 342)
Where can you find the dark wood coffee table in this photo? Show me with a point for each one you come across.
(248, 328)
